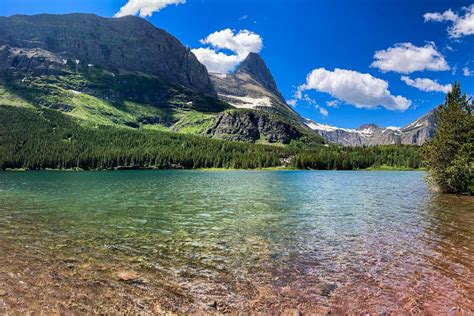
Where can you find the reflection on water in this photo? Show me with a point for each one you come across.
(190, 241)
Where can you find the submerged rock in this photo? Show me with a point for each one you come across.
(328, 288)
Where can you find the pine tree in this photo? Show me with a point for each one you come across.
(449, 156)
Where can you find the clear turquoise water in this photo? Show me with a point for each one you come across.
(248, 240)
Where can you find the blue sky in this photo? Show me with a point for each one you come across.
(299, 38)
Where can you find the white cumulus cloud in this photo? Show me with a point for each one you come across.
(425, 84)
(240, 44)
(216, 61)
(462, 25)
(359, 89)
(145, 7)
(407, 58)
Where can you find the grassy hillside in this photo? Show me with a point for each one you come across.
(100, 97)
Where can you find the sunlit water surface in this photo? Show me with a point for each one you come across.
(192, 241)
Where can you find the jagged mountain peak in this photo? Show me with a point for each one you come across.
(256, 68)
(252, 63)
(252, 86)
(368, 126)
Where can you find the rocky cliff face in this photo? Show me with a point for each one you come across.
(128, 43)
(34, 61)
(44, 79)
(252, 126)
(421, 130)
(416, 133)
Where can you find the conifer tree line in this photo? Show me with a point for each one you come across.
(42, 139)
(347, 158)
(449, 156)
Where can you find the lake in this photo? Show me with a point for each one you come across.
(270, 241)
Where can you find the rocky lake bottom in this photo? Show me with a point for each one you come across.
(216, 241)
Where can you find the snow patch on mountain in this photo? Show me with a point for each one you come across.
(415, 133)
(246, 102)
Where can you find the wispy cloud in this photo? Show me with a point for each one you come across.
(305, 97)
(292, 102)
(462, 24)
(425, 84)
(467, 72)
(323, 111)
(315, 105)
(333, 103)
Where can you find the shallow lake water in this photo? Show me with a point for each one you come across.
(269, 241)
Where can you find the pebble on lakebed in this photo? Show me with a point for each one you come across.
(127, 276)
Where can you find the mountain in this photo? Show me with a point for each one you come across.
(415, 133)
(254, 66)
(128, 43)
(250, 86)
(262, 113)
(126, 73)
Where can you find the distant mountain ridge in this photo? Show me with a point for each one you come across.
(415, 133)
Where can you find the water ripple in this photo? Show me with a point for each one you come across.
(365, 242)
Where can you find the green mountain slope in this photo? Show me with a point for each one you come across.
(98, 97)
(120, 72)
